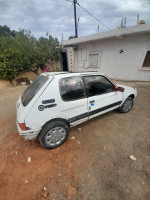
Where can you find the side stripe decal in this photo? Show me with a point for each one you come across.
(104, 108)
(78, 117)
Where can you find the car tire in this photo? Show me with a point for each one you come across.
(127, 105)
(53, 134)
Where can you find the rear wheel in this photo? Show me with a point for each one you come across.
(53, 134)
(126, 107)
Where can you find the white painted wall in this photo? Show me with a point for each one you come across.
(125, 66)
(72, 59)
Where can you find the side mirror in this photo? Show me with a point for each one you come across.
(120, 89)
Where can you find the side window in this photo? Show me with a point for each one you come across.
(97, 85)
(71, 88)
(147, 60)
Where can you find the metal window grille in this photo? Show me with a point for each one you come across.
(94, 60)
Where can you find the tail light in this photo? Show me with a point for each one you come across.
(23, 126)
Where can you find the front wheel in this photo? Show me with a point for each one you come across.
(127, 105)
(53, 134)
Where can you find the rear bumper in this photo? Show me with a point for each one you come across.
(29, 134)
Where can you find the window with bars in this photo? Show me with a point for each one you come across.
(94, 59)
(146, 62)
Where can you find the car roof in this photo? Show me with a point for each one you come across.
(68, 74)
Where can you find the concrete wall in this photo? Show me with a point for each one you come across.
(57, 66)
(72, 59)
(125, 66)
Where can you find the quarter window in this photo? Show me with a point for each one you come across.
(97, 85)
(71, 88)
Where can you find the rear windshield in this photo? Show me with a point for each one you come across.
(32, 89)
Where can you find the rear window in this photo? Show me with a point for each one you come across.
(32, 89)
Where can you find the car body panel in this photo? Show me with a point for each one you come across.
(48, 105)
(127, 92)
(101, 102)
(22, 111)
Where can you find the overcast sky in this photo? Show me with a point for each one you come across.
(40, 16)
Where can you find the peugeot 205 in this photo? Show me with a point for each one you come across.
(56, 101)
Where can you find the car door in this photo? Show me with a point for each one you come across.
(74, 103)
(101, 93)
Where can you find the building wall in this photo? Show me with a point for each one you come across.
(72, 55)
(126, 65)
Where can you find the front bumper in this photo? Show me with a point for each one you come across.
(29, 134)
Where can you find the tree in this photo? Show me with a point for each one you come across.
(28, 46)
(38, 52)
(49, 50)
(21, 51)
(10, 58)
(5, 31)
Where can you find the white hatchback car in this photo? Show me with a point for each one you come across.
(58, 100)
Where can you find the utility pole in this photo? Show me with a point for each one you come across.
(138, 19)
(75, 18)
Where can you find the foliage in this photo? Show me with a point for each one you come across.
(49, 50)
(5, 31)
(21, 51)
(10, 58)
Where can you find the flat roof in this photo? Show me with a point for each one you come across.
(118, 33)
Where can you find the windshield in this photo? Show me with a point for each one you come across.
(32, 89)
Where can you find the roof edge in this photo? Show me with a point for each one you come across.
(130, 30)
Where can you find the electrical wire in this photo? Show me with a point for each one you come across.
(63, 19)
(93, 16)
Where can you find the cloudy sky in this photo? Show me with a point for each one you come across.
(40, 16)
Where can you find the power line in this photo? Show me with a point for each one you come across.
(63, 19)
(93, 16)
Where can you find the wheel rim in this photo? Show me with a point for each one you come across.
(55, 136)
(127, 105)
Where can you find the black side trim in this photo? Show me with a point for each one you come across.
(104, 108)
(78, 117)
(48, 101)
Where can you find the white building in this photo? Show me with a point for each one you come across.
(120, 53)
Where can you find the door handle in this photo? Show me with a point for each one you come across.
(92, 101)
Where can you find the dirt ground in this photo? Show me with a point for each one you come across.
(95, 165)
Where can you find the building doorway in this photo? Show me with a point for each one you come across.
(64, 61)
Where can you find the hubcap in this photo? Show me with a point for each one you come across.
(55, 136)
(127, 105)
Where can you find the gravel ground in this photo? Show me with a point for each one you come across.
(95, 164)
